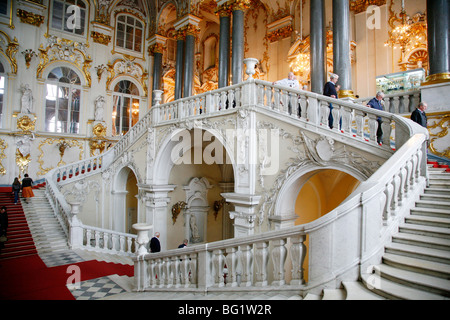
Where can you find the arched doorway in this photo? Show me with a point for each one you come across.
(185, 155)
(125, 202)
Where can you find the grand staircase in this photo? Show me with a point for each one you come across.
(416, 265)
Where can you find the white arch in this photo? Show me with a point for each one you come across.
(121, 77)
(164, 163)
(285, 200)
(60, 63)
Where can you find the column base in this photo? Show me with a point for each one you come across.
(437, 78)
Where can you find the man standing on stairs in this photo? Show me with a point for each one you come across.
(27, 191)
(419, 116)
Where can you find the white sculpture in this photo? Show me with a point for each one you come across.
(27, 99)
(99, 108)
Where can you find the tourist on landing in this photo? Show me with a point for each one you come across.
(289, 82)
(419, 114)
(16, 189)
(330, 91)
(155, 245)
(3, 226)
(27, 191)
(184, 244)
(376, 103)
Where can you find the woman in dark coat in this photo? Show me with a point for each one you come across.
(27, 191)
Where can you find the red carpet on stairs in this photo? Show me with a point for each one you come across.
(24, 276)
(20, 242)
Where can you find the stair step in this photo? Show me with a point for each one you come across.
(434, 203)
(431, 212)
(422, 241)
(428, 221)
(425, 230)
(441, 270)
(436, 191)
(429, 254)
(393, 290)
(416, 280)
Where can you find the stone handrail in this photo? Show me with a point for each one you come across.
(398, 103)
(275, 259)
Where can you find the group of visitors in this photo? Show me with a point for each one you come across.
(155, 245)
(331, 89)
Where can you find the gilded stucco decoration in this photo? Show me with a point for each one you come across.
(23, 151)
(438, 125)
(58, 49)
(127, 67)
(49, 146)
(9, 48)
(358, 6)
(3, 146)
(101, 38)
(30, 18)
(25, 124)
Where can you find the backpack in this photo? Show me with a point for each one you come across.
(16, 187)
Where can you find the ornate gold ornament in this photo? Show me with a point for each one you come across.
(58, 142)
(9, 48)
(30, 18)
(26, 124)
(29, 54)
(3, 146)
(101, 38)
(100, 69)
(96, 145)
(128, 67)
(438, 125)
(176, 209)
(358, 6)
(99, 130)
(59, 49)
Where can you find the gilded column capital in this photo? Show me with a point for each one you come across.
(240, 5)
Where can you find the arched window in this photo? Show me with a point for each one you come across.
(62, 101)
(69, 16)
(129, 33)
(125, 108)
(2, 92)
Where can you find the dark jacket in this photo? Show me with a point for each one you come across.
(155, 246)
(330, 89)
(376, 104)
(420, 117)
(27, 182)
(3, 222)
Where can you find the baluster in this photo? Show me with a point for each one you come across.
(346, 120)
(152, 273)
(373, 125)
(105, 240)
(276, 99)
(175, 269)
(406, 102)
(231, 260)
(388, 191)
(396, 104)
(237, 97)
(88, 238)
(216, 101)
(403, 174)
(269, 98)
(278, 259)
(298, 254)
(387, 104)
(285, 99)
(336, 116)
(167, 270)
(122, 243)
(261, 260)
(129, 244)
(313, 111)
(231, 102)
(324, 111)
(223, 100)
(303, 106)
(247, 265)
(260, 96)
(218, 262)
(387, 132)
(97, 238)
(184, 270)
(359, 119)
(193, 269)
(395, 195)
(114, 244)
(160, 272)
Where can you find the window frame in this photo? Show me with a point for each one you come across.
(85, 26)
(117, 117)
(124, 49)
(58, 110)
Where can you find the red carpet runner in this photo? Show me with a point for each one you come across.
(24, 276)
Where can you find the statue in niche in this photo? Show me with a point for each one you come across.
(27, 99)
(99, 108)
(194, 229)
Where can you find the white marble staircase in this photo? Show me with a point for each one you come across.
(416, 264)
